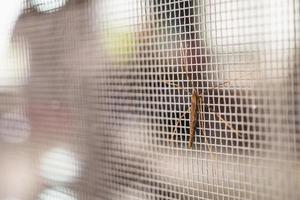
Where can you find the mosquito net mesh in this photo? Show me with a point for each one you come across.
(149, 99)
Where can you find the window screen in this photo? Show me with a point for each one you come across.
(149, 99)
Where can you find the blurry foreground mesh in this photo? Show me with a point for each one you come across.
(95, 97)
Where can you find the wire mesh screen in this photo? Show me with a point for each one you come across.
(149, 99)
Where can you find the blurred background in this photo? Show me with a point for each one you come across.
(95, 94)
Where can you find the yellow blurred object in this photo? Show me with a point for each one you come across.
(120, 43)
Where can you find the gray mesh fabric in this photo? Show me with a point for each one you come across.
(95, 99)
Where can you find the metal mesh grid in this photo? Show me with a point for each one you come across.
(96, 95)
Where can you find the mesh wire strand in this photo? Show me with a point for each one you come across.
(96, 95)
